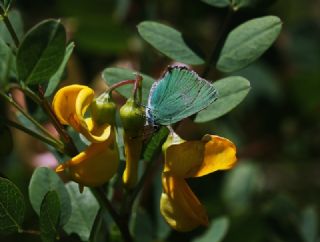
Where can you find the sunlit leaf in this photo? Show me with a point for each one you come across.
(57, 77)
(49, 216)
(113, 75)
(41, 52)
(248, 42)
(168, 41)
(217, 231)
(231, 91)
(12, 207)
(44, 180)
(84, 210)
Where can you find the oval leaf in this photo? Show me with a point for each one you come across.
(41, 52)
(57, 77)
(231, 91)
(217, 3)
(12, 207)
(49, 216)
(168, 41)
(216, 232)
(84, 210)
(44, 180)
(248, 42)
(115, 74)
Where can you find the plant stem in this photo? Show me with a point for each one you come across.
(44, 139)
(119, 84)
(121, 223)
(10, 28)
(41, 101)
(28, 116)
(29, 231)
(218, 44)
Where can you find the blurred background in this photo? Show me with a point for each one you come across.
(273, 193)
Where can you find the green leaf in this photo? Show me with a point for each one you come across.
(17, 23)
(57, 77)
(6, 63)
(43, 180)
(84, 210)
(168, 41)
(49, 216)
(237, 4)
(240, 186)
(309, 225)
(217, 231)
(154, 144)
(231, 90)
(12, 207)
(41, 52)
(248, 42)
(217, 3)
(113, 75)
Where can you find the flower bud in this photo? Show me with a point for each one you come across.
(103, 110)
(133, 118)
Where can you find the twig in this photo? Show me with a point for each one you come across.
(217, 46)
(121, 223)
(34, 134)
(10, 28)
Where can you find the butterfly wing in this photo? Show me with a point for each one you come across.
(179, 94)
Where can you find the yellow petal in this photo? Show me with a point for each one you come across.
(95, 132)
(64, 102)
(219, 154)
(70, 104)
(179, 206)
(184, 159)
(96, 165)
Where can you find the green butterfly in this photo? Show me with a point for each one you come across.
(180, 93)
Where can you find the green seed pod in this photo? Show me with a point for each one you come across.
(133, 118)
(103, 110)
(6, 141)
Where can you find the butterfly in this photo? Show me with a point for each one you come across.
(180, 93)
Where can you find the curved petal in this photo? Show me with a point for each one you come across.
(179, 206)
(64, 102)
(95, 165)
(219, 154)
(184, 159)
(70, 104)
(94, 132)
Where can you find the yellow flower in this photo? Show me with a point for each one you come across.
(70, 104)
(95, 165)
(99, 162)
(184, 159)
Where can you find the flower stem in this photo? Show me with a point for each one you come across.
(43, 102)
(44, 139)
(121, 223)
(10, 28)
(218, 44)
(29, 117)
(119, 84)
